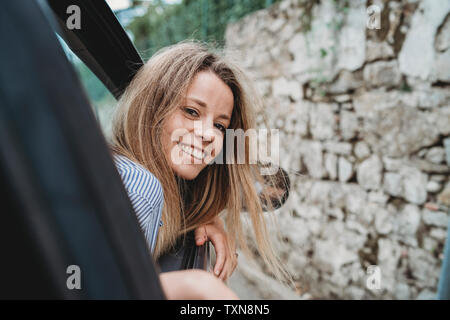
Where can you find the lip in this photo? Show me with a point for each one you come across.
(195, 148)
(199, 149)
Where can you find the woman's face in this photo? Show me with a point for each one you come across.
(193, 134)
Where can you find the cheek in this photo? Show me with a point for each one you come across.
(173, 122)
(218, 144)
(214, 149)
(174, 127)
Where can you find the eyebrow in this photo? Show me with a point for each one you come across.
(202, 104)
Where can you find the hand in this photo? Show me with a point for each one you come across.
(194, 285)
(274, 193)
(226, 258)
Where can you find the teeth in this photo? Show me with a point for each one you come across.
(197, 154)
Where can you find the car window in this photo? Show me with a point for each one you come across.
(102, 101)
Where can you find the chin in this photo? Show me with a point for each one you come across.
(187, 173)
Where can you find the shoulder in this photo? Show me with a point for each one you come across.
(139, 181)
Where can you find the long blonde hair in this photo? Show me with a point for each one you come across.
(157, 90)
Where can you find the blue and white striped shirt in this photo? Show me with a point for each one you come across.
(146, 195)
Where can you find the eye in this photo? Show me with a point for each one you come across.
(190, 111)
(220, 127)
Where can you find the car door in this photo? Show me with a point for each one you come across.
(68, 229)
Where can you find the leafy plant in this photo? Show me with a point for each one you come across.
(165, 24)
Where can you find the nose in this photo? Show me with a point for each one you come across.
(205, 131)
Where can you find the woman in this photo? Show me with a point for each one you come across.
(168, 131)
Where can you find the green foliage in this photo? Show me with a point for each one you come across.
(205, 20)
(93, 86)
(163, 25)
(307, 16)
(405, 87)
(102, 101)
(99, 97)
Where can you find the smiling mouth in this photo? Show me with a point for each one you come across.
(197, 154)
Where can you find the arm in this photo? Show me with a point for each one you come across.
(148, 215)
(226, 257)
(194, 285)
(146, 196)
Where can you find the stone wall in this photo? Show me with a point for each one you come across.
(363, 118)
